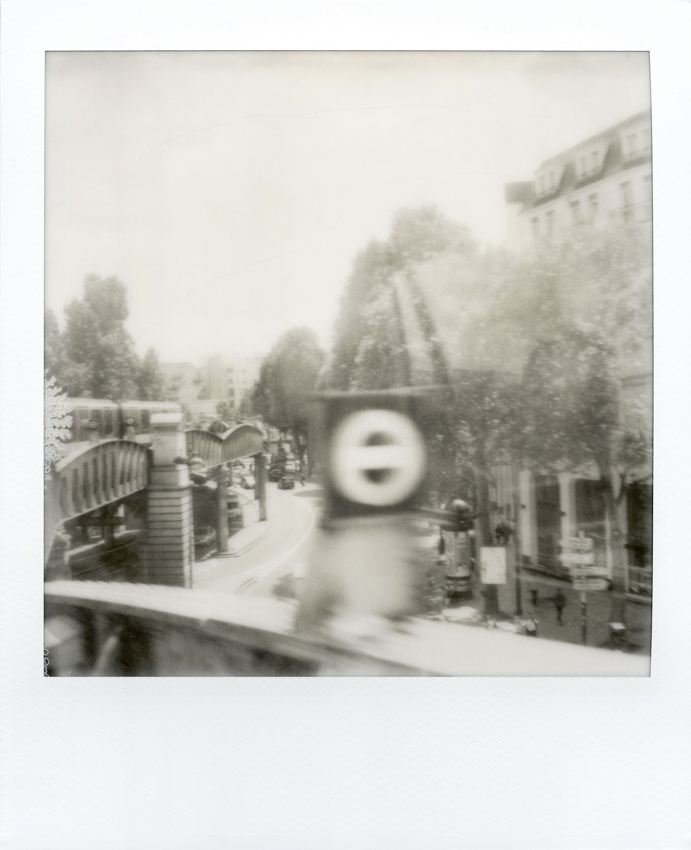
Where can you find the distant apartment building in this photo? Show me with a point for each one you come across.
(604, 181)
(182, 381)
(231, 377)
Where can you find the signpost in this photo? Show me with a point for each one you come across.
(585, 575)
(589, 572)
(569, 558)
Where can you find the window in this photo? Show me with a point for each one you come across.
(535, 222)
(631, 144)
(549, 222)
(626, 196)
(583, 163)
(592, 207)
(645, 140)
(647, 189)
(576, 212)
(648, 195)
(627, 201)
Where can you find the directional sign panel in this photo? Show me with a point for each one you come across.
(577, 558)
(588, 572)
(378, 457)
(589, 584)
(583, 544)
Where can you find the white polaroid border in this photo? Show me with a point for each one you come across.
(338, 763)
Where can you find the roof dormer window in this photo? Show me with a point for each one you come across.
(547, 182)
(635, 142)
(589, 163)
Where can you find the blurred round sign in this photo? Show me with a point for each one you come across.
(378, 457)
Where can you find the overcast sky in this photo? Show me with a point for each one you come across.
(230, 192)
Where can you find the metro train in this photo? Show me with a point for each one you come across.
(96, 419)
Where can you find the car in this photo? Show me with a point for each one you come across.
(275, 473)
(286, 483)
(247, 482)
(292, 466)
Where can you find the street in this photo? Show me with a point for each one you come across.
(291, 518)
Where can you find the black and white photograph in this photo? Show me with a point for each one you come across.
(344, 411)
(348, 363)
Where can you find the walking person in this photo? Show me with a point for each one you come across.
(560, 604)
(531, 626)
(535, 597)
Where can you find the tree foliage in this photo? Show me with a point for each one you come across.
(95, 356)
(286, 377)
(370, 347)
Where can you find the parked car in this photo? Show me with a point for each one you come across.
(286, 483)
(247, 482)
(292, 466)
(275, 473)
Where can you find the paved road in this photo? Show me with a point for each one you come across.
(292, 515)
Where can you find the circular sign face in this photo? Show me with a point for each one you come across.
(378, 457)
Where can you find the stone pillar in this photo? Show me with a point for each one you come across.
(567, 504)
(527, 519)
(260, 483)
(221, 478)
(167, 555)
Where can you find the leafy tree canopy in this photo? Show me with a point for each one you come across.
(95, 355)
(370, 349)
(287, 375)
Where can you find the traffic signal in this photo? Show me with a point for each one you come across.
(373, 451)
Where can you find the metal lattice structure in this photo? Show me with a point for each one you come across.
(215, 449)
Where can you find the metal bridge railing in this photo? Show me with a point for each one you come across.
(100, 475)
(215, 449)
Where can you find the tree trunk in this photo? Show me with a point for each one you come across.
(616, 552)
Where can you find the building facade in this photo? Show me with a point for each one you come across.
(603, 182)
(231, 377)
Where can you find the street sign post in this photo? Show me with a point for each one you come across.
(588, 572)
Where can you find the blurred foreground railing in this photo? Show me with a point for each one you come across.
(117, 629)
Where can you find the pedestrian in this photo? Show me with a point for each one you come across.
(559, 604)
(503, 533)
(531, 626)
(302, 480)
(535, 597)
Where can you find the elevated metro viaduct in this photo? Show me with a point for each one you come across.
(94, 485)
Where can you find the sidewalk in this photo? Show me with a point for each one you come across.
(598, 612)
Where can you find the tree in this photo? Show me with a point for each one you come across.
(371, 345)
(287, 375)
(584, 308)
(95, 355)
(150, 381)
(573, 420)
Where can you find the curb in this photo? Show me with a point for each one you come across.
(259, 532)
